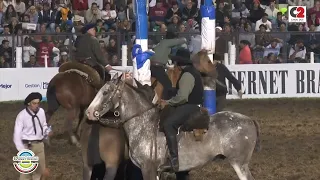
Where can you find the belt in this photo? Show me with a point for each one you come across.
(154, 63)
(31, 141)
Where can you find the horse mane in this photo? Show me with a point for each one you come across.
(145, 90)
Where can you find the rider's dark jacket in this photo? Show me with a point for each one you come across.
(223, 73)
(190, 88)
(88, 49)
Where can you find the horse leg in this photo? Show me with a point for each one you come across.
(111, 173)
(149, 171)
(87, 172)
(81, 116)
(242, 171)
(71, 116)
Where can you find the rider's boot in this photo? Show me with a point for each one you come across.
(173, 152)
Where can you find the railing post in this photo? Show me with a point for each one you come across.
(18, 57)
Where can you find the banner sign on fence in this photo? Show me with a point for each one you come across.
(257, 81)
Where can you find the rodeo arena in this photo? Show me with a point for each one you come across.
(160, 89)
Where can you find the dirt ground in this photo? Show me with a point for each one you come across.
(290, 132)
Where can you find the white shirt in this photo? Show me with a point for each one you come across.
(104, 14)
(300, 54)
(268, 24)
(195, 44)
(23, 128)
(272, 13)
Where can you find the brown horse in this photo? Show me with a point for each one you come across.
(73, 88)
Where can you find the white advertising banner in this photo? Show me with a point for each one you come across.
(277, 80)
(258, 81)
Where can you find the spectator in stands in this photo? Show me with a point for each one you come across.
(312, 43)
(272, 58)
(157, 15)
(263, 38)
(20, 7)
(31, 63)
(3, 63)
(6, 35)
(297, 52)
(92, 14)
(273, 47)
(256, 13)
(248, 35)
(47, 16)
(6, 51)
(109, 16)
(63, 58)
(8, 15)
(173, 11)
(264, 20)
(245, 56)
(313, 20)
(28, 50)
(190, 13)
(33, 15)
(272, 11)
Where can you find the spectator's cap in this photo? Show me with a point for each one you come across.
(182, 57)
(64, 53)
(174, 3)
(32, 96)
(218, 27)
(86, 28)
(76, 18)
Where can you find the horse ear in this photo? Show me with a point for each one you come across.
(115, 77)
(138, 83)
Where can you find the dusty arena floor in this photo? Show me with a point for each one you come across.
(290, 143)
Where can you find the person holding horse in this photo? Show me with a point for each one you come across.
(29, 131)
(187, 101)
(89, 52)
(159, 61)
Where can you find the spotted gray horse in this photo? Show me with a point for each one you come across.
(230, 135)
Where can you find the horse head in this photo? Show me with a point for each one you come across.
(100, 104)
(203, 63)
(120, 94)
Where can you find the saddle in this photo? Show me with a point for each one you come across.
(197, 123)
(90, 73)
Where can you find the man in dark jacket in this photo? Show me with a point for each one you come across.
(187, 101)
(88, 51)
(221, 88)
(160, 59)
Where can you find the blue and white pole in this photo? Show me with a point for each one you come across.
(140, 52)
(208, 37)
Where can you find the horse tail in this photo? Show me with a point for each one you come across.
(258, 141)
(53, 103)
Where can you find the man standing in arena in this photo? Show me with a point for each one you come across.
(29, 131)
(89, 52)
(160, 59)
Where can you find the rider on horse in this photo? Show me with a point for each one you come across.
(89, 52)
(160, 59)
(187, 101)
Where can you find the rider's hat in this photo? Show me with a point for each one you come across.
(182, 57)
(32, 96)
(87, 27)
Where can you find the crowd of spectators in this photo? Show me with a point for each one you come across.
(48, 29)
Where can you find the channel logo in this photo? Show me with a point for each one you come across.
(5, 86)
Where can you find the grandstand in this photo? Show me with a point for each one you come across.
(51, 27)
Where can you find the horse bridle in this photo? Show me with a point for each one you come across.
(116, 113)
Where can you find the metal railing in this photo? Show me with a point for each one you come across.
(36, 44)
